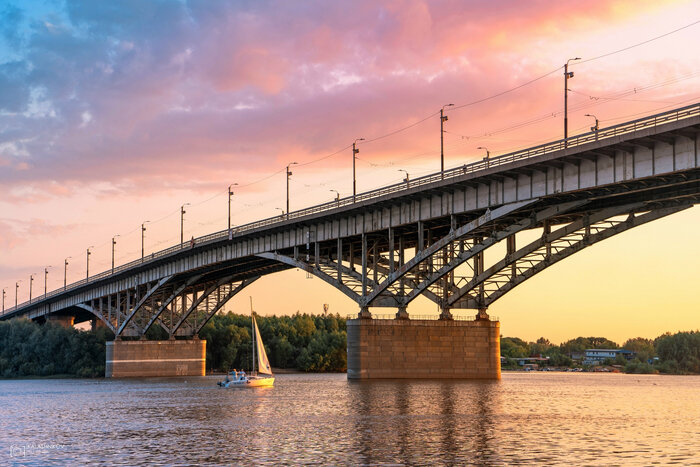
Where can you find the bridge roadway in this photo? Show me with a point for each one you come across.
(426, 237)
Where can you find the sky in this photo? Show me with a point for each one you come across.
(117, 113)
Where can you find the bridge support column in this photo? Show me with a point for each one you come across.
(446, 314)
(65, 321)
(482, 315)
(423, 349)
(155, 358)
(364, 313)
(402, 313)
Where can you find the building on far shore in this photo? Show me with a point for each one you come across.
(597, 356)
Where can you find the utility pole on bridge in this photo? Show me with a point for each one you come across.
(143, 231)
(182, 224)
(16, 290)
(46, 277)
(354, 178)
(443, 119)
(87, 264)
(289, 174)
(65, 271)
(114, 242)
(567, 75)
(31, 282)
(3, 301)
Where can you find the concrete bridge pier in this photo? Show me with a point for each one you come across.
(405, 348)
(144, 358)
(65, 321)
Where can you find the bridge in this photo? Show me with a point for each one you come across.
(423, 237)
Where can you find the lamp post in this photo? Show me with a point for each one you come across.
(488, 154)
(567, 75)
(46, 278)
(16, 290)
(354, 178)
(282, 211)
(87, 263)
(182, 224)
(143, 232)
(288, 175)
(337, 196)
(406, 179)
(594, 129)
(65, 271)
(114, 243)
(443, 119)
(230, 193)
(31, 282)
(3, 301)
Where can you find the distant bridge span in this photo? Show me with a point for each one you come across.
(390, 245)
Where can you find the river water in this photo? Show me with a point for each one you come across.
(526, 418)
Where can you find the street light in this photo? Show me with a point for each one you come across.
(3, 301)
(488, 154)
(16, 289)
(143, 232)
(31, 282)
(182, 224)
(230, 193)
(65, 271)
(288, 175)
(337, 196)
(46, 277)
(567, 75)
(594, 129)
(405, 179)
(281, 210)
(354, 178)
(443, 119)
(87, 263)
(114, 242)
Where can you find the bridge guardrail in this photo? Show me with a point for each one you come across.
(424, 317)
(574, 141)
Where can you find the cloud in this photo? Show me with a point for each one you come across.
(139, 92)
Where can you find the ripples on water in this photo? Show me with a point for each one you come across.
(526, 418)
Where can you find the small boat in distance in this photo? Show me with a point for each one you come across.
(263, 377)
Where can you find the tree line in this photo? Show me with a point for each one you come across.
(677, 353)
(303, 342)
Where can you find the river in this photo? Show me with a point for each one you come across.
(526, 418)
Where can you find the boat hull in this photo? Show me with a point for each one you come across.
(250, 382)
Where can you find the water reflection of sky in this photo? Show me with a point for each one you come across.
(325, 419)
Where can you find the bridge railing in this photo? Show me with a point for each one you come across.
(486, 163)
(425, 317)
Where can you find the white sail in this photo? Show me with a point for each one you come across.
(263, 363)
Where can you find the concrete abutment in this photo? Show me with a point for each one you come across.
(155, 358)
(422, 349)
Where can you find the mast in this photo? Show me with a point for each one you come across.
(252, 327)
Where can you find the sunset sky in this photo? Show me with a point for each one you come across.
(115, 113)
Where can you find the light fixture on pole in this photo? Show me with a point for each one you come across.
(31, 283)
(594, 129)
(567, 76)
(230, 193)
(46, 278)
(87, 263)
(282, 211)
(3, 301)
(143, 232)
(443, 119)
(488, 154)
(114, 243)
(289, 174)
(65, 271)
(182, 224)
(355, 151)
(337, 196)
(16, 291)
(407, 178)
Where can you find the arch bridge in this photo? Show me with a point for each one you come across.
(427, 237)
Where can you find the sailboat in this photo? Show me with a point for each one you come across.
(263, 377)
